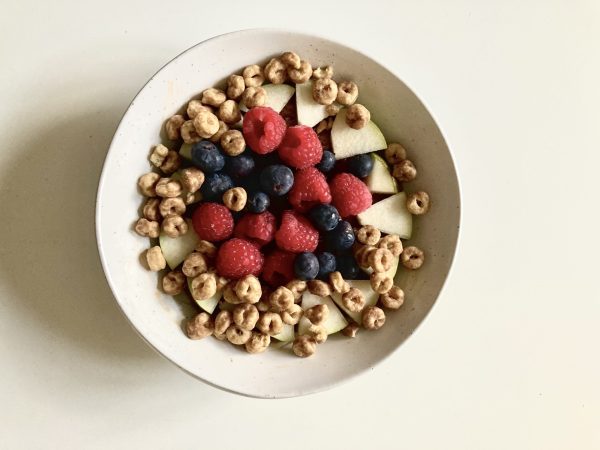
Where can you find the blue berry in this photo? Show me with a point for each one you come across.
(306, 266)
(214, 186)
(360, 165)
(348, 267)
(257, 202)
(324, 217)
(276, 179)
(239, 166)
(341, 237)
(327, 161)
(207, 157)
(327, 264)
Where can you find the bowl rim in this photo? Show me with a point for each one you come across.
(103, 174)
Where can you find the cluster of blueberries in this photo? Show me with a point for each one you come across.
(274, 180)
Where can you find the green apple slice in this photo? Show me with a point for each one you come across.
(389, 216)
(380, 180)
(363, 286)
(208, 304)
(309, 112)
(335, 321)
(278, 95)
(175, 250)
(347, 141)
(286, 335)
(186, 151)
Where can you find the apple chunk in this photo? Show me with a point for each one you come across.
(370, 295)
(389, 215)
(380, 180)
(278, 95)
(309, 112)
(208, 304)
(335, 321)
(347, 141)
(286, 335)
(175, 250)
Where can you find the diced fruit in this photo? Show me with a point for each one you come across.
(324, 217)
(310, 112)
(209, 304)
(207, 157)
(287, 333)
(380, 180)
(335, 321)
(341, 237)
(389, 216)
(327, 161)
(306, 266)
(300, 147)
(327, 264)
(186, 151)
(348, 142)
(371, 298)
(279, 267)
(256, 227)
(263, 129)
(213, 222)
(296, 234)
(257, 202)
(349, 195)
(215, 185)
(310, 188)
(276, 179)
(278, 95)
(175, 250)
(360, 165)
(237, 258)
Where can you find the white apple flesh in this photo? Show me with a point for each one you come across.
(278, 95)
(347, 141)
(380, 180)
(309, 112)
(335, 321)
(175, 250)
(389, 216)
(370, 295)
(286, 335)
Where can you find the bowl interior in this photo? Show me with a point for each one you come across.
(157, 317)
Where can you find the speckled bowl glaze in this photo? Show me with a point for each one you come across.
(158, 317)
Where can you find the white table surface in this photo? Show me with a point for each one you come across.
(509, 357)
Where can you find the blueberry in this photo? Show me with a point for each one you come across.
(239, 166)
(276, 179)
(348, 267)
(327, 264)
(214, 186)
(360, 165)
(207, 157)
(324, 217)
(327, 161)
(306, 266)
(257, 202)
(341, 237)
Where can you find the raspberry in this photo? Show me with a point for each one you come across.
(350, 195)
(310, 188)
(239, 257)
(212, 222)
(258, 227)
(296, 234)
(263, 129)
(278, 268)
(300, 147)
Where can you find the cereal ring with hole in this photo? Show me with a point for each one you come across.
(200, 326)
(373, 318)
(417, 203)
(317, 314)
(174, 226)
(381, 282)
(395, 153)
(291, 59)
(297, 287)
(270, 323)
(151, 209)
(392, 242)
(245, 316)
(213, 97)
(292, 315)
(412, 258)
(173, 282)
(404, 171)
(206, 123)
(368, 235)
(173, 126)
(347, 93)
(248, 289)
(172, 205)
(167, 187)
(381, 260)
(237, 335)
(254, 96)
(304, 346)
(357, 116)
(302, 74)
(324, 91)
(192, 179)
(281, 299)
(275, 71)
(204, 286)
(230, 296)
(147, 228)
(258, 342)
(194, 264)
(233, 142)
(147, 184)
(354, 300)
(195, 106)
(362, 255)
(235, 87)
(235, 198)
(393, 299)
(253, 75)
(229, 112)
(189, 133)
(318, 333)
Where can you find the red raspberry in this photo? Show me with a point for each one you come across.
(263, 129)
(278, 268)
(239, 257)
(258, 227)
(296, 234)
(310, 188)
(350, 195)
(212, 222)
(300, 147)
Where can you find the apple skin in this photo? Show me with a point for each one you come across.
(380, 180)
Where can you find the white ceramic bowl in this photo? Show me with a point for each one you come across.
(157, 317)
